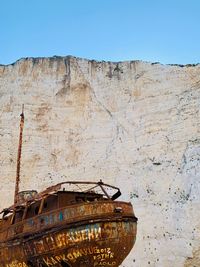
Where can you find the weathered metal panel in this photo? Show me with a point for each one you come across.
(99, 244)
(66, 227)
(73, 229)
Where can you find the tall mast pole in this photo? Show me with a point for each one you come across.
(19, 156)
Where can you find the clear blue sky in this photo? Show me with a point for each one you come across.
(167, 31)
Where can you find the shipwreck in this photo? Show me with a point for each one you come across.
(72, 224)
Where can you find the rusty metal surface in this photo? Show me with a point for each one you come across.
(71, 224)
(79, 186)
(99, 244)
(19, 157)
(66, 228)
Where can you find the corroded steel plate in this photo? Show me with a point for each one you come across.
(92, 245)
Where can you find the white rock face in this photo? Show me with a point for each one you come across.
(133, 124)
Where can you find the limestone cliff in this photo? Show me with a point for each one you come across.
(133, 124)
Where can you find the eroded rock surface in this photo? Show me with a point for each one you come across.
(132, 124)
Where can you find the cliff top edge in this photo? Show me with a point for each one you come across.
(36, 60)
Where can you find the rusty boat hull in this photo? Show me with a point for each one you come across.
(82, 235)
(71, 224)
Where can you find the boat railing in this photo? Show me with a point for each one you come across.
(29, 197)
(108, 191)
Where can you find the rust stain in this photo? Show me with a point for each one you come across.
(19, 156)
(62, 226)
(71, 224)
(194, 260)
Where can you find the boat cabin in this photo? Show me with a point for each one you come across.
(31, 204)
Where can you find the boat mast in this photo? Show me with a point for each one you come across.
(19, 156)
